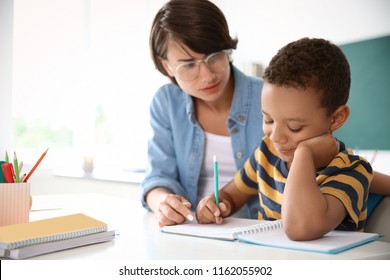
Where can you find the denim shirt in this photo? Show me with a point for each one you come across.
(176, 148)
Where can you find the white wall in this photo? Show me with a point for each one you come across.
(264, 26)
(6, 17)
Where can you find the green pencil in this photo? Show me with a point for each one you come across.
(16, 167)
(216, 188)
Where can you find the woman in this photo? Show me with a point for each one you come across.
(210, 108)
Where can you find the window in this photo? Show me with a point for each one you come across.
(83, 80)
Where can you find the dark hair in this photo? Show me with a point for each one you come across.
(198, 24)
(313, 63)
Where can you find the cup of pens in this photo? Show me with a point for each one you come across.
(15, 197)
(14, 203)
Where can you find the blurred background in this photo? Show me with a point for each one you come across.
(76, 75)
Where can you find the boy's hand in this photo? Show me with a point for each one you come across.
(324, 148)
(207, 211)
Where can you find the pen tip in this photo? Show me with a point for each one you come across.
(215, 158)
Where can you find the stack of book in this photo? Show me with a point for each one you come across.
(20, 241)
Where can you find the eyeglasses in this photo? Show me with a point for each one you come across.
(189, 71)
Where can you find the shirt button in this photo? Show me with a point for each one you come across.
(239, 155)
(235, 130)
(241, 118)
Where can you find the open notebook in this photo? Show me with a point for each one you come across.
(20, 241)
(270, 233)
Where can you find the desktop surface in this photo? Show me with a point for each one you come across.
(139, 236)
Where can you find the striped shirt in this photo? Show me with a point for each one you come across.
(347, 177)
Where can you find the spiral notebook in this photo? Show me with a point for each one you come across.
(270, 233)
(25, 240)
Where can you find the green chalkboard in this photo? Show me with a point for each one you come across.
(368, 126)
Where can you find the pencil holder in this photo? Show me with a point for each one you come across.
(15, 203)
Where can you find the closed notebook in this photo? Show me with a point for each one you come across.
(49, 235)
(270, 233)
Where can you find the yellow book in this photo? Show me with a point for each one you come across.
(49, 235)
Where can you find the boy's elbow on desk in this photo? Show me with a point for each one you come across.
(301, 232)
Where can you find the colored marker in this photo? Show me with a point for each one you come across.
(8, 172)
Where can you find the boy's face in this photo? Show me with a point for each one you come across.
(291, 115)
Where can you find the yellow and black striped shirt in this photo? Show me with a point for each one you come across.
(347, 177)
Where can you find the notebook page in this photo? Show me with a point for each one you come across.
(224, 231)
(333, 242)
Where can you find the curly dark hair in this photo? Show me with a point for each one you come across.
(312, 63)
(198, 24)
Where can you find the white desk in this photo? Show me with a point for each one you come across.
(140, 239)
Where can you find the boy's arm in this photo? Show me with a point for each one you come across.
(307, 213)
(230, 200)
(380, 184)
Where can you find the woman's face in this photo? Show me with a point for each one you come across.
(211, 83)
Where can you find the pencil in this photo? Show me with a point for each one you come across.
(16, 167)
(20, 166)
(373, 157)
(216, 188)
(35, 166)
(22, 177)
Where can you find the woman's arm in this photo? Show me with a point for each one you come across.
(161, 190)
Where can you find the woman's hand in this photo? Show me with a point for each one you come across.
(169, 209)
(173, 209)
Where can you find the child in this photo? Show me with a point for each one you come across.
(301, 173)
